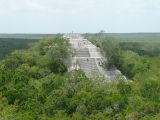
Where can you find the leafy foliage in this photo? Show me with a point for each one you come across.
(35, 85)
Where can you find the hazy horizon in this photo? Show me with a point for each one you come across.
(62, 16)
(82, 33)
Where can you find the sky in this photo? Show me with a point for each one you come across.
(91, 16)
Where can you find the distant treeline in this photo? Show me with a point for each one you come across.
(8, 45)
(25, 36)
(149, 49)
(141, 43)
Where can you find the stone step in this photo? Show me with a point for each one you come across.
(82, 52)
(88, 65)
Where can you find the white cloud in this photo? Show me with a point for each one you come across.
(81, 13)
(59, 6)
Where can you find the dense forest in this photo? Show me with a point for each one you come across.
(35, 84)
(7, 45)
(11, 42)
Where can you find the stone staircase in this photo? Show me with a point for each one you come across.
(82, 52)
(88, 65)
